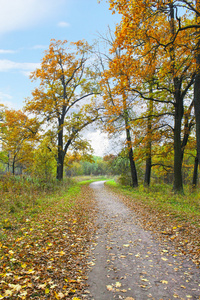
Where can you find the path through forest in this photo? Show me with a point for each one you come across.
(127, 262)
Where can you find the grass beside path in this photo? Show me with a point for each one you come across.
(89, 179)
(45, 232)
(173, 218)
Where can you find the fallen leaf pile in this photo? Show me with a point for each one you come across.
(45, 257)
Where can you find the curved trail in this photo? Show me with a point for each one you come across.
(128, 263)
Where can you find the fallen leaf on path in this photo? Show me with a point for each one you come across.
(164, 281)
(109, 288)
(164, 258)
(8, 293)
(118, 284)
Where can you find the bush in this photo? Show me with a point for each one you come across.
(125, 179)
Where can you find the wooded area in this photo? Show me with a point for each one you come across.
(74, 225)
(143, 84)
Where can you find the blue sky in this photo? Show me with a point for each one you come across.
(26, 28)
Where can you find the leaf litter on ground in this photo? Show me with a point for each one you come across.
(44, 255)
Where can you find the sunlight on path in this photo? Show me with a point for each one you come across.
(128, 263)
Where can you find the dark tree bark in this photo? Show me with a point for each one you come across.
(179, 110)
(60, 166)
(60, 158)
(147, 176)
(131, 159)
(197, 83)
(197, 101)
(130, 150)
(195, 173)
(178, 180)
(13, 167)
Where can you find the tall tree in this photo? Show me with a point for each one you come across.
(117, 108)
(63, 99)
(197, 81)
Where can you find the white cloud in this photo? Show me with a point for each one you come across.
(63, 24)
(2, 51)
(6, 96)
(6, 99)
(99, 142)
(39, 47)
(27, 73)
(10, 105)
(20, 14)
(7, 65)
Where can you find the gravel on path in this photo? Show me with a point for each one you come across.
(128, 263)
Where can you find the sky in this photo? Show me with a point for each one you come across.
(26, 28)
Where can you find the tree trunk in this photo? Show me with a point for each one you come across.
(195, 173)
(13, 167)
(147, 177)
(129, 142)
(130, 153)
(60, 152)
(8, 170)
(60, 170)
(178, 180)
(197, 109)
(132, 164)
(197, 85)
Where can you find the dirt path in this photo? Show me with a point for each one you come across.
(128, 263)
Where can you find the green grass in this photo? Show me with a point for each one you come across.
(21, 198)
(161, 197)
(112, 182)
(87, 180)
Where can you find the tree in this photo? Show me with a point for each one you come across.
(67, 83)
(43, 164)
(18, 132)
(117, 109)
(197, 86)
